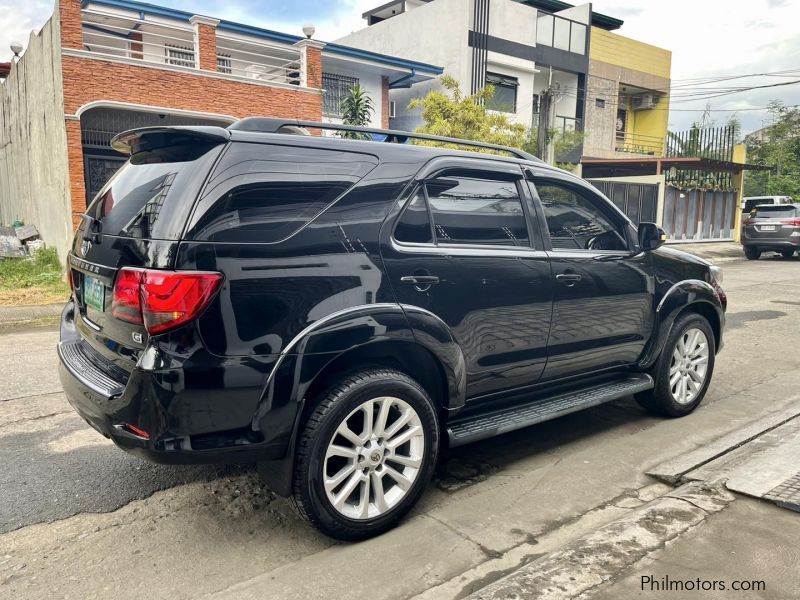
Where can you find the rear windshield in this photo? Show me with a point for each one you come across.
(151, 195)
(774, 212)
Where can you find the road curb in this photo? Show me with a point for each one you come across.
(672, 471)
(597, 557)
(14, 317)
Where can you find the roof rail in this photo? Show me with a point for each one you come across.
(273, 125)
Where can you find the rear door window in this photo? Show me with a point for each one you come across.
(266, 193)
(775, 212)
(151, 196)
(477, 211)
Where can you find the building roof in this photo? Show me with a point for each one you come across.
(144, 8)
(598, 19)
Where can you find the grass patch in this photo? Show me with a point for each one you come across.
(38, 279)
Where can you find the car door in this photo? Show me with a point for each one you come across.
(603, 300)
(463, 248)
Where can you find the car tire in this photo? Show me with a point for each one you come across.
(338, 451)
(787, 253)
(752, 253)
(680, 382)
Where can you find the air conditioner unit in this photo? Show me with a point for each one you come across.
(392, 107)
(644, 102)
(623, 103)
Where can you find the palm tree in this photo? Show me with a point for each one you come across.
(357, 110)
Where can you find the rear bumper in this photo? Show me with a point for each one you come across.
(157, 402)
(768, 244)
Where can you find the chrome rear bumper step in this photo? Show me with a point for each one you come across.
(482, 426)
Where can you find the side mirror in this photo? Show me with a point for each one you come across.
(651, 236)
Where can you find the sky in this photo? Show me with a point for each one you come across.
(708, 38)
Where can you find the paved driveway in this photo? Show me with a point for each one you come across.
(81, 519)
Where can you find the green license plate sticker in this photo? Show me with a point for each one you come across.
(94, 293)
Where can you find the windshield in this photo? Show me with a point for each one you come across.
(151, 195)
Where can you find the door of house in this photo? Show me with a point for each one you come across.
(98, 170)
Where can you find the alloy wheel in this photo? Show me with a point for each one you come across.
(373, 458)
(689, 365)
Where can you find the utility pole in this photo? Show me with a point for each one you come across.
(547, 109)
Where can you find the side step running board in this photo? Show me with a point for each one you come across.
(479, 427)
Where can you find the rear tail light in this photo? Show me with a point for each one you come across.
(162, 300)
(127, 299)
(749, 221)
(795, 222)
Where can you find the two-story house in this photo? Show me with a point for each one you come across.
(99, 67)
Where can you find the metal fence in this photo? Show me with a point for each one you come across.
(637, 200)
(714, 143)
(693, 215)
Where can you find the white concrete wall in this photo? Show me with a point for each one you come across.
(370, 82)
(434, 33)
(34, 174)
(513, 21)
(582, 13)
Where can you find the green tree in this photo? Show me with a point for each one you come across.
(451, 113)
(779, 148)
(356, 110)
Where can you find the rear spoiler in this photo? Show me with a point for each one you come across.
(149, 138)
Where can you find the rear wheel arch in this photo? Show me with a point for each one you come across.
(410, 358)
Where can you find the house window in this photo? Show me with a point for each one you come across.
(179, 56)
(505, 93)
(336, 89)
(224, 64)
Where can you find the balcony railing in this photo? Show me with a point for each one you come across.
(258, 61)
(563, 34)
(173, 45)
(125, 37)
(636, 143)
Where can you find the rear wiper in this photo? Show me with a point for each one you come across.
(93, 228)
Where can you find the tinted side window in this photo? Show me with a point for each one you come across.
(576, 222)
(469, 210)
(266, 193)
(414, 225)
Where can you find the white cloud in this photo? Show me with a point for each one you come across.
(18, 19)
(707, 38)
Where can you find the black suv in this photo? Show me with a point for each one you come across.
(338, 310)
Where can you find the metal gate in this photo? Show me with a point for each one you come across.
(699, 214)
(637, 200)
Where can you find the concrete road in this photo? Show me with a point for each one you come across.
(82, 519)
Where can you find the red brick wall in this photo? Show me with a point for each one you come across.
(89, 80)
(77, 186)
(207, 37)
(385, 102)
(70, 15)
(314, 71)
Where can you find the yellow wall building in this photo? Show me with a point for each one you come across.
(627, 97)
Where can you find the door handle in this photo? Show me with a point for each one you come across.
(420, 279)
(568, 279)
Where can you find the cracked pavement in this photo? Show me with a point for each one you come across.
(82, 519)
